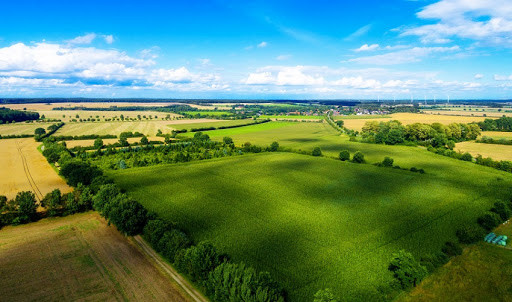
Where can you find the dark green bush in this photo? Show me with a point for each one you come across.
(344, 155)
(358, 157)
(470, 234)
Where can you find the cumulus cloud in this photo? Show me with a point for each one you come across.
(85, 39)
(411, 55)
(284, 76)
(488, 22)
(479, 76)
(367, 47)
(260, 78)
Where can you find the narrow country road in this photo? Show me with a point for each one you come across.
(169, 270)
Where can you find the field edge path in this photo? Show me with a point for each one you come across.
(168, 270)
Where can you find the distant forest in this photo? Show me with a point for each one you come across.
(9, 116)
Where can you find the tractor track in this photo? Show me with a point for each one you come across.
(30, 179)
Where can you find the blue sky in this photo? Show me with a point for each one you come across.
(257, 49)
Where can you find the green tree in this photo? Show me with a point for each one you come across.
(324, 295)
(172, 242)
(52, 202)
(395, 136)
(77, 172)
(502, 210)
(344, 155)
(489, 220)
(358, 157)
(237, 282)
(387, 162)
(466, 157)
(98, 143)
(227, 140)
(198, 261)
(406, 270)
(144, 140)
(317, 151)
(274, 146)
(469, 234)
(154, 230)
(105, 195)
(123, 141)
(39, 131)
(26, 206)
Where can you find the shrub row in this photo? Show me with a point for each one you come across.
(82, 137)
(16, 136)
(490, 140)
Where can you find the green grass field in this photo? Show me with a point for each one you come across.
(213, 123)
(245, 131)
(316, 222)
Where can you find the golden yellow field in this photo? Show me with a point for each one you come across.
(494, 151)
(411, 118)
(24, 168)
(468, 113)
(106, 141)
(149, 128)
(77, 258)
(21, 128)
(497, 134)
(68, 115)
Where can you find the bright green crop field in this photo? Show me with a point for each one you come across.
(319, 222)
(246, 131)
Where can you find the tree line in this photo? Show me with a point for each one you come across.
(436, 134)
(9, 116)
(503, 123)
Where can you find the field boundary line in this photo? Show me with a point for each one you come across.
(169, 270)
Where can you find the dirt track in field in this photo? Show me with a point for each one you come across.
(24, 168)
(78, 258)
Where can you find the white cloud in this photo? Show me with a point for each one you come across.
(109, 39)
(367, 47)
(479, 76)
(498, 77)
(296, 76)
(260, 78)
(85, 39)
(411, 55)
(205, 61)
(489, 22)
(283, 57)
(359, 32)
(54, 64)
(262, 44)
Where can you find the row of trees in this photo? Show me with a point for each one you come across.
(502, 124)
(9, 116)
(222, 279)
(437, 135)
